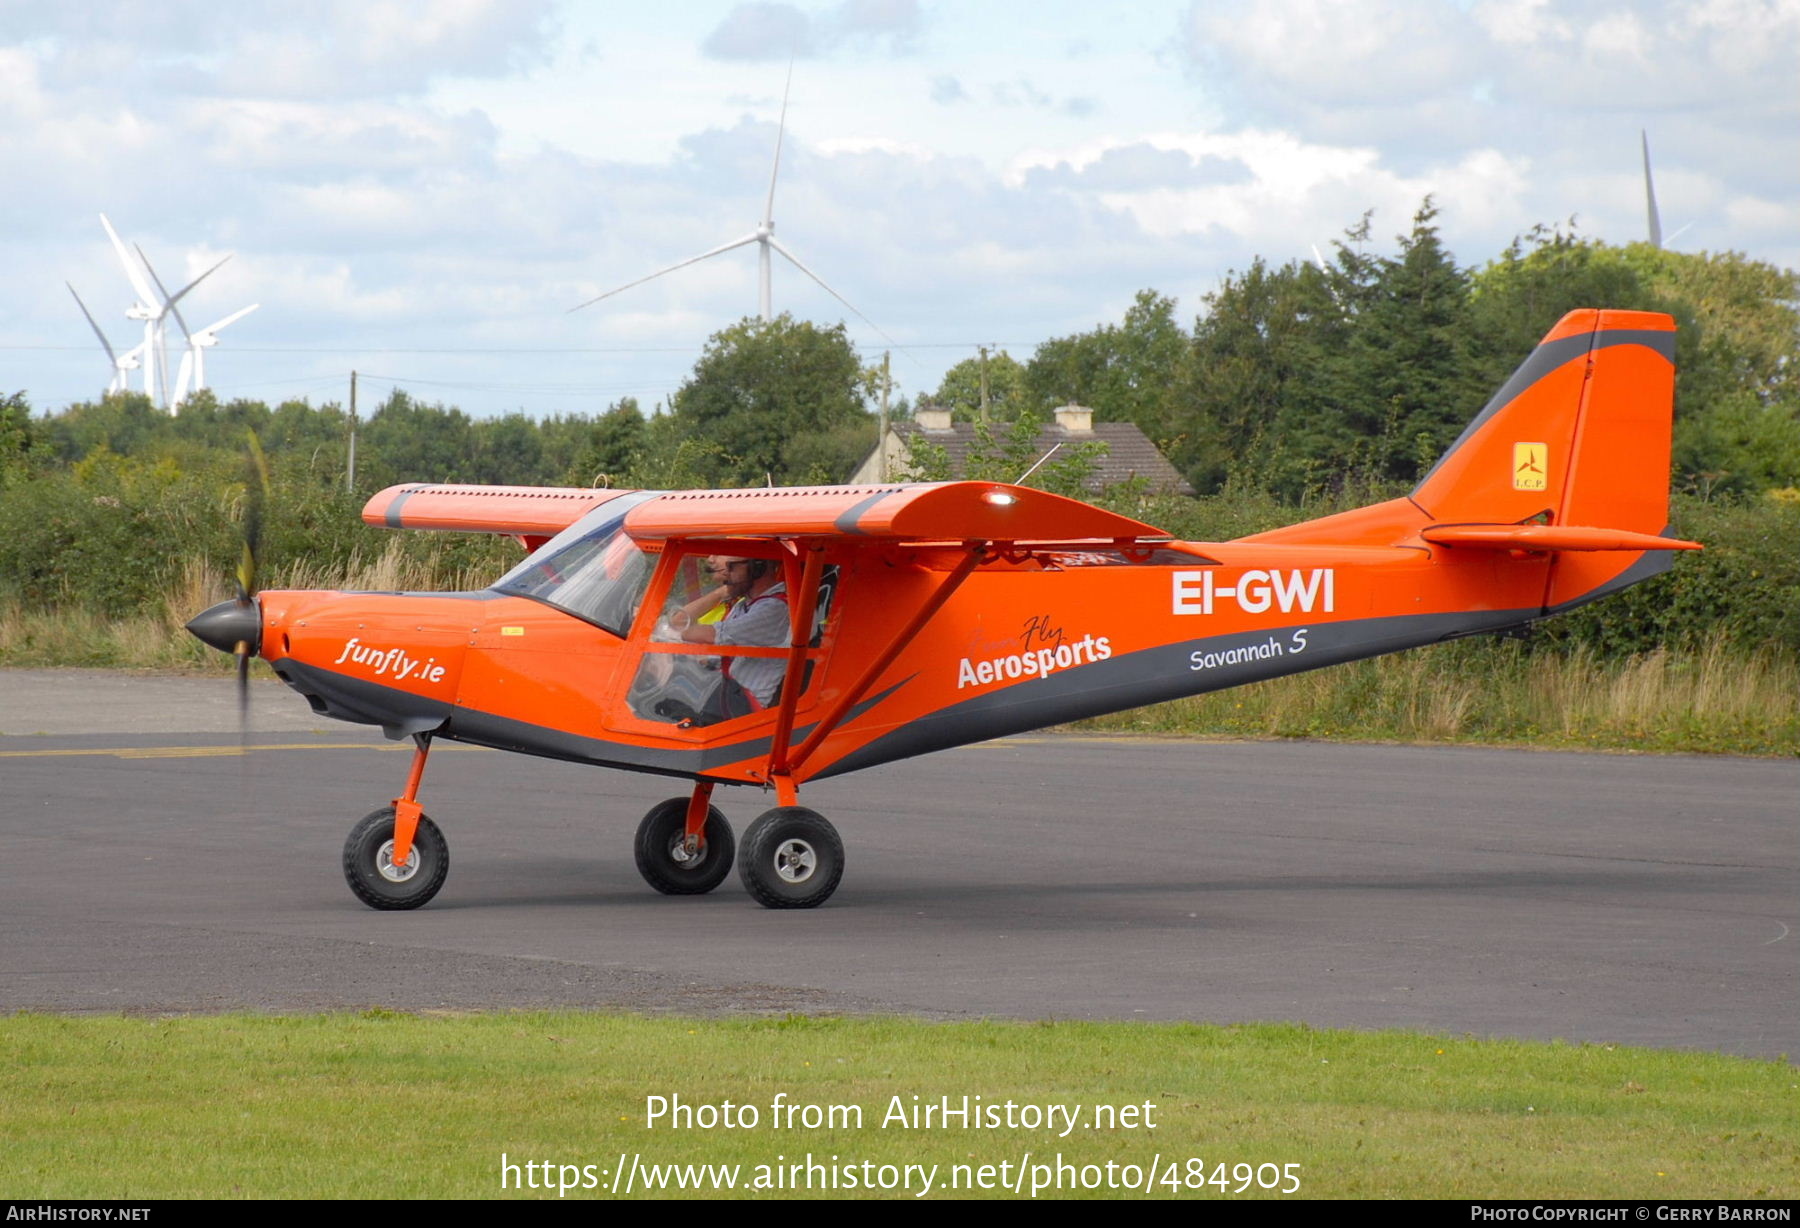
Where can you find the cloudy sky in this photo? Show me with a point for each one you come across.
(421, 190)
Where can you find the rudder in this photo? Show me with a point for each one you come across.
(1580, 433)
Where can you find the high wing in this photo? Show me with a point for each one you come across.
(926, 512)
(533, 514)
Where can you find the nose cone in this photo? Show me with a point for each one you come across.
(229, 624)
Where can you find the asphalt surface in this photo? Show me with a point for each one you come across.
(151, 860)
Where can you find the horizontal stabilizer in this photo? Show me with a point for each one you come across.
(1548, 537)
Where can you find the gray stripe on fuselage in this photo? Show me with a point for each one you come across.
(1154, 675)
(370, 703)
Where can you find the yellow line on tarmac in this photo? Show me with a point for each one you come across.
(205, 752)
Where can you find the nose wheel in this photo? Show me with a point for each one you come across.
(381, 882)
(791, 857)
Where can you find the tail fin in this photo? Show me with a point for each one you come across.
(1577, 443)
(1570, 458)
(1578, 436)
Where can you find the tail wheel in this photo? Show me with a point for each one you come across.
(370, 869)
(665, 860)
(791, 857)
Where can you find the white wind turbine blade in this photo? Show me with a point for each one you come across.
(1656, 238)
(114, 358)
(146, 296)
(168, 304)
(795, 261)
(780, 130)
(210, 334)
(169, 300)
(752, 237)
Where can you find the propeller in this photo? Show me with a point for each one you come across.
(235, 625)
(256, 496)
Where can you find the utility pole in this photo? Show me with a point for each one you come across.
(887, 383)
(350, 470)
(984, 386)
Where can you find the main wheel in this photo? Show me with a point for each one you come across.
(791, 858)
(369, 863)
(662, 855)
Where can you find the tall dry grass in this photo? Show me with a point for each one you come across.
(72, 636)
(1719, 696)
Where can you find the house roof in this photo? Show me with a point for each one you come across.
(1128, 453)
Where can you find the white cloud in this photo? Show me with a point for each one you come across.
(774, 32)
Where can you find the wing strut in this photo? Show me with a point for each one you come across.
(800, 622)
(783, 765)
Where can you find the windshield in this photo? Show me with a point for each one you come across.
(592, 569)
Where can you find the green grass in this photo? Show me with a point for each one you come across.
(384, 1104)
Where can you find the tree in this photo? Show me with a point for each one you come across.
(960, 390)
(1260, 408)
(406, 441)
(1737, 399)
(1128, 372)
(609, 447)
(763, 393)
(15, 432)
(1408, 383)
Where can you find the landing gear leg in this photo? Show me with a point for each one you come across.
(684, 845)
(396, 858)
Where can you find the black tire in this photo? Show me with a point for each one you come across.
(666, 867)
(371, 875)
(791, 858)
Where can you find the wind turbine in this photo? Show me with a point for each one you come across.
(169, 308)
(763, 236)
(156, 373)
(140, 310)
(193, 363)
(122, 364)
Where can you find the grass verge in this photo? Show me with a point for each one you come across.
(1716, 698)
(390, 1105)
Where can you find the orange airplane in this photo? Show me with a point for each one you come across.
(863, 624)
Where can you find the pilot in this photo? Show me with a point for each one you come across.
(758, 618)
(713, 603)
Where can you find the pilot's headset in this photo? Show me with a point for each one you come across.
(759, 568)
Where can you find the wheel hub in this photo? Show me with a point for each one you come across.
(384, 864)
(687, 853)
(795, 860)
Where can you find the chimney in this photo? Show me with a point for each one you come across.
(1075, 420)
(932, 418)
